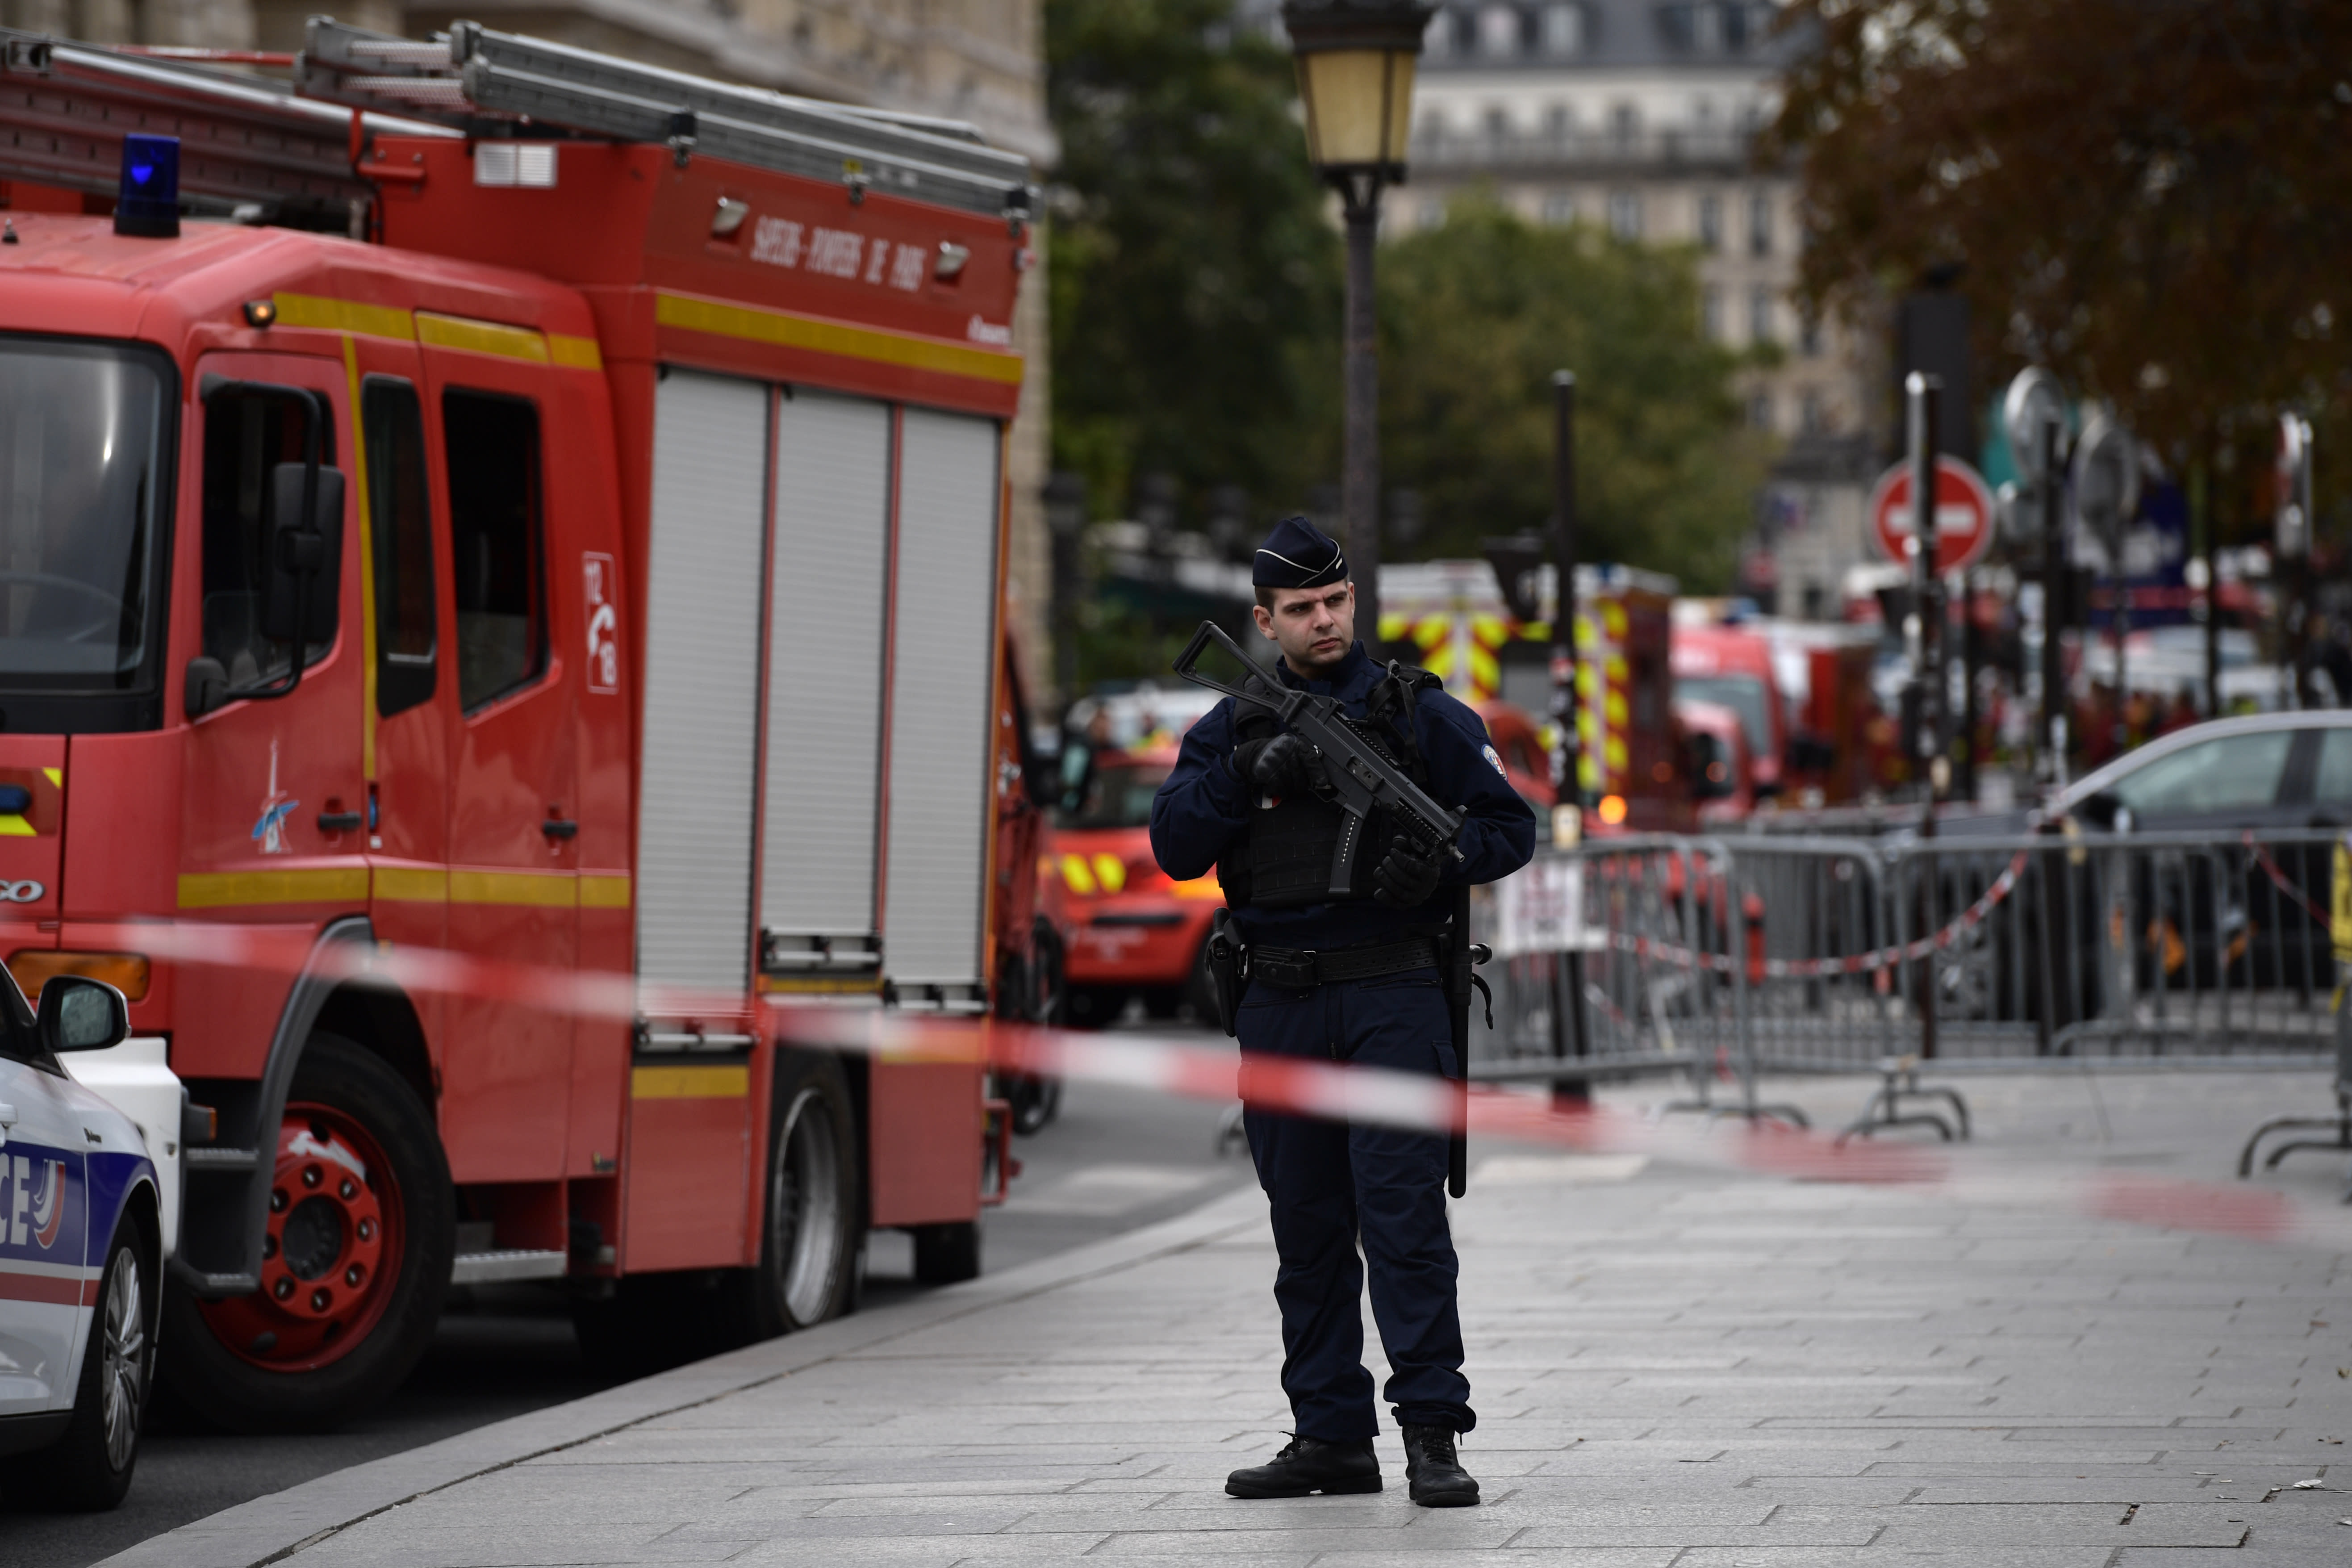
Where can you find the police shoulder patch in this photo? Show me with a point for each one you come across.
(1495, 760)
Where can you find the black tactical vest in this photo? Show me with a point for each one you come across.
(1284, 858)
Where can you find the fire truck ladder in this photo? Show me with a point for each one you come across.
(499, 84)
(250, 148)
(261, 150)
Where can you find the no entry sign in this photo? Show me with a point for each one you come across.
(1963, 514)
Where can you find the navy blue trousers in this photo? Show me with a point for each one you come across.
(1331, 1184)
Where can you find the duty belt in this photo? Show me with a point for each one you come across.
(1299, 969)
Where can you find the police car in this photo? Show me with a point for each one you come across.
(83, 1234)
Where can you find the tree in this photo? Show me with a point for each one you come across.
(1475, 318)
(1194, 277)
(2148, 196)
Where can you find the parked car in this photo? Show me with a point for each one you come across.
(82, 1257)
(2201, 911)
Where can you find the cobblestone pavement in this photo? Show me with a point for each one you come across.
(1672, 1367)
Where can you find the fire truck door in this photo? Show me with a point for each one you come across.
(408, 738)
(270, 829)
(512, 823)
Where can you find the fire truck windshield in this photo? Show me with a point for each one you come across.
(1743, 695)
(1120, 797)
(84, 437)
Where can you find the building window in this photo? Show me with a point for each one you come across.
(1706, 28)
(1563, 30)
(1760, 411)
(1808, 417)
(1710, 312)
(1808, 335)
(1437, 40)
(1710, 222)
(1759, 315)
(1498, 32)
(1625, 214)
(1625, 122)
(1498, 126)
(1560, 207)
(1759, 224)
(1558, 120)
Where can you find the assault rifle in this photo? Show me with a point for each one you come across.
(1360, 778)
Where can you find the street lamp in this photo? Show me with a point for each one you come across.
(1355, 76)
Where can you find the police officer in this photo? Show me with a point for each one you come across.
(1356, 981)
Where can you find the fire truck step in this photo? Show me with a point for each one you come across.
(490, 1267)
(204, 1157)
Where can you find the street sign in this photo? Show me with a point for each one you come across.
(2035, 398)
(1964, 513)
(2105, 477)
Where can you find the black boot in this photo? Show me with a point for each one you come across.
(1311, 1465)
(1434, 1476)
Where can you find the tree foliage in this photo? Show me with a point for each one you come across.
(1195, 278)
(1477, 315)
(2149, 196)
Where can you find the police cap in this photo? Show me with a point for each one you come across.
(1297, 555)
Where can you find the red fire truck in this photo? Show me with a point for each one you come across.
(536, 506)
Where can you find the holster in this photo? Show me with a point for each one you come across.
(1228, 964)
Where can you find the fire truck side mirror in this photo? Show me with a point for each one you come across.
(306, 556)
(207, 685)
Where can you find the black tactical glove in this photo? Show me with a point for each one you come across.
(1284, 764)
(1409, 873)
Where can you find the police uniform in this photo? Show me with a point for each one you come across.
(1329, 1183)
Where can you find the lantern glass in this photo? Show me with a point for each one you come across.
(1358, 106)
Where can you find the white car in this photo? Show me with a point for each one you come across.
(82, 1237)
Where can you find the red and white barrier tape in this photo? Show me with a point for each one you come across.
(1297, 1086)
(2285, 885)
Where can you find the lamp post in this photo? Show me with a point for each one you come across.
(1355, 76)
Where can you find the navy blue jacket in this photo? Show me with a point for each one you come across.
(1200, 811)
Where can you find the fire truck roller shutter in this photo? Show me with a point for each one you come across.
(942, 670)
(825, 673)
(702, 686)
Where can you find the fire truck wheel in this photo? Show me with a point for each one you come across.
(808, 1241)
(354, 1263)
(946, 1254)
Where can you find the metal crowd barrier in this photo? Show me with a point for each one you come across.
(1724, 957)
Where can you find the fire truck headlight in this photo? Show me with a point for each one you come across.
(261, 313)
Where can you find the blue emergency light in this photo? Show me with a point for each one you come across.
(148, 203)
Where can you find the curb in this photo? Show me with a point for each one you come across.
(270, 1529)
